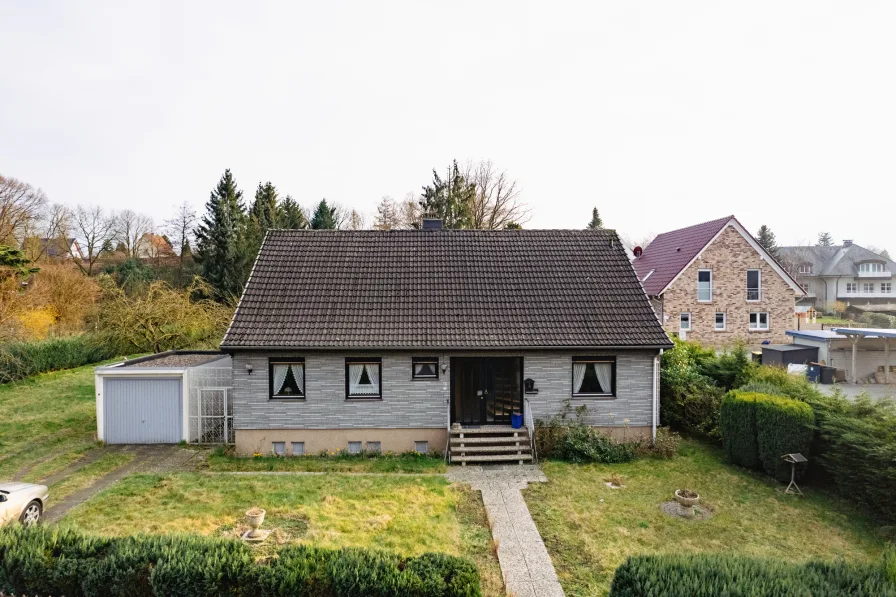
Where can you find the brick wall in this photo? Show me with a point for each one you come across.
(408, 403)
(729, 257)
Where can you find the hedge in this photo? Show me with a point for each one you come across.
(19, 360)
(737, 422)
(41, 560)
(783, 426)
(757, 429)
(697, 575)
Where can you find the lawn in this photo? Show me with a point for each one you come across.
(220, 460)
(589, 529)
(406, 514)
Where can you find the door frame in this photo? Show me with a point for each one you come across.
(483, 362)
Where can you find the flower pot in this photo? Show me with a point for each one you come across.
(516, 420)
(254, 518)
(687, 502)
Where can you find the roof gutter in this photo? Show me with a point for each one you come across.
(231, 349)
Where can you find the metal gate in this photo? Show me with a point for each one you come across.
(215, 416)
(142, 410)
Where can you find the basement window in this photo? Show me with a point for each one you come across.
(298, 448)
(354, 447)
(421, 447)
(278, 448)
(374, 447)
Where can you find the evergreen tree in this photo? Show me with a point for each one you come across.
(387, 216)
(218, 239)
(324, 217)
(451, 200)
(292, 216)
(13, 262)
(107, 247)
(512, 226)
(766, 239)
(825, 239)
(595, 223)
(265, 213)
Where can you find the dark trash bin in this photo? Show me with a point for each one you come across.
(814, 372)
(827, 374)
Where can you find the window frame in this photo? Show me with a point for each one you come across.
(886, 287)
(287, 361)
(690, 321)
(758, 288)
(700, 271)
(592, 359)
(378, 361)
(724, 321)
(868, 287)
(419, 360)
(768, 323)
(852, 287)
(804, 268)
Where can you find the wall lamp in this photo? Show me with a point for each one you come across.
(249, 368)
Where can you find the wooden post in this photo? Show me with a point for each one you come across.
(855, 342)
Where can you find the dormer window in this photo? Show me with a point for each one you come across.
(805, 268)
(871, 268)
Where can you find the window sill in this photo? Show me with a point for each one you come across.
(285, 399)
(424, 379)
(594, 396)
(719, 330)
(365, 399)
(759, 331)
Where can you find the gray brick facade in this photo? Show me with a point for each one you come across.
(408, 403)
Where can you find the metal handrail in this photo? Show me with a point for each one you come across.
(530, 425)
(448, 440)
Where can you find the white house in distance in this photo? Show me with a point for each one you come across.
(848, 273)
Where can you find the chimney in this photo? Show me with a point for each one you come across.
(432, 223)
(847, 242)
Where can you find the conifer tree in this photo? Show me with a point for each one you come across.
(451, 199)
(766, 239)
(218, 239)
(595, 222)
(292, 216)
(825, 239)
(325, 217)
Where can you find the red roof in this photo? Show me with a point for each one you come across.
(671, 252)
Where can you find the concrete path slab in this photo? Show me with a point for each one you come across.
(525, 563)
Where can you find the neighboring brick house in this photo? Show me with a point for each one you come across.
(714, 283)
(383, 339)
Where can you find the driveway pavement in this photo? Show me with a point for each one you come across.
(852, 391)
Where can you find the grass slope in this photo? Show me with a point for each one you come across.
(590, 529)
(394, 463)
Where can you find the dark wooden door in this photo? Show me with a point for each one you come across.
(486, 390)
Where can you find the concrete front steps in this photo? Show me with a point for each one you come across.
(490, 444)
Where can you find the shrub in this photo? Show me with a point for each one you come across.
(665, 446)
(709, 575)
(50, 561)
(738, 425)
(855, 448)
(19, 360)
(728, 370)
(585, 444)
(689, 401)
(783, 426)
(794, 386)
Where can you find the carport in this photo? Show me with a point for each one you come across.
(855, 335)
(165, 398)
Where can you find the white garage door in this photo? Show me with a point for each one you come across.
(142, 410)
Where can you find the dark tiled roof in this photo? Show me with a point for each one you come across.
(670, 252)
(443, 289)
(832, 261)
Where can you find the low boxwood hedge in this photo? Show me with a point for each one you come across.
(698, 575)
(42, 561)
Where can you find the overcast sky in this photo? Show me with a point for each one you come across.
(662, 114)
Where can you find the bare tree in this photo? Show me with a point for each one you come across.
(497, 202)
(355, 220)
(131, 228)
(409, 212)
(388, 215)
(47, 230)
(180, 232)
(20, 204)
(93, 228)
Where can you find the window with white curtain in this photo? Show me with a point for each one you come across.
(593, 376)
(362, 378)
(287, 378)
(425, 368)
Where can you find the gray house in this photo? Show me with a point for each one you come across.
(395, 340)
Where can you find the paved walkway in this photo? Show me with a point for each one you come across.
(852, 391)
(525, 562)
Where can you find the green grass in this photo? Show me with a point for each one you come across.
(590, 529)
(88, 474)
(52, 413)
(409, 515)
(386, 463)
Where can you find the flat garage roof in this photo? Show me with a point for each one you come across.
(176, 359)
(867, 332)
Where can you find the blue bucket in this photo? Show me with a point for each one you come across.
(516, 421)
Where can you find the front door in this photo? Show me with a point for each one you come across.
(486, 390)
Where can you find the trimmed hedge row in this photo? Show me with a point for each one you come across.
(736, 576)
(757, 429)
(19, 360)
(51, 561)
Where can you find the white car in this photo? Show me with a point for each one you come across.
(23, 502)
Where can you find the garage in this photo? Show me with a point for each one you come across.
(143, 410)
(165, 398)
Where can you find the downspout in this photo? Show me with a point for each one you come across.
(656, 390)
